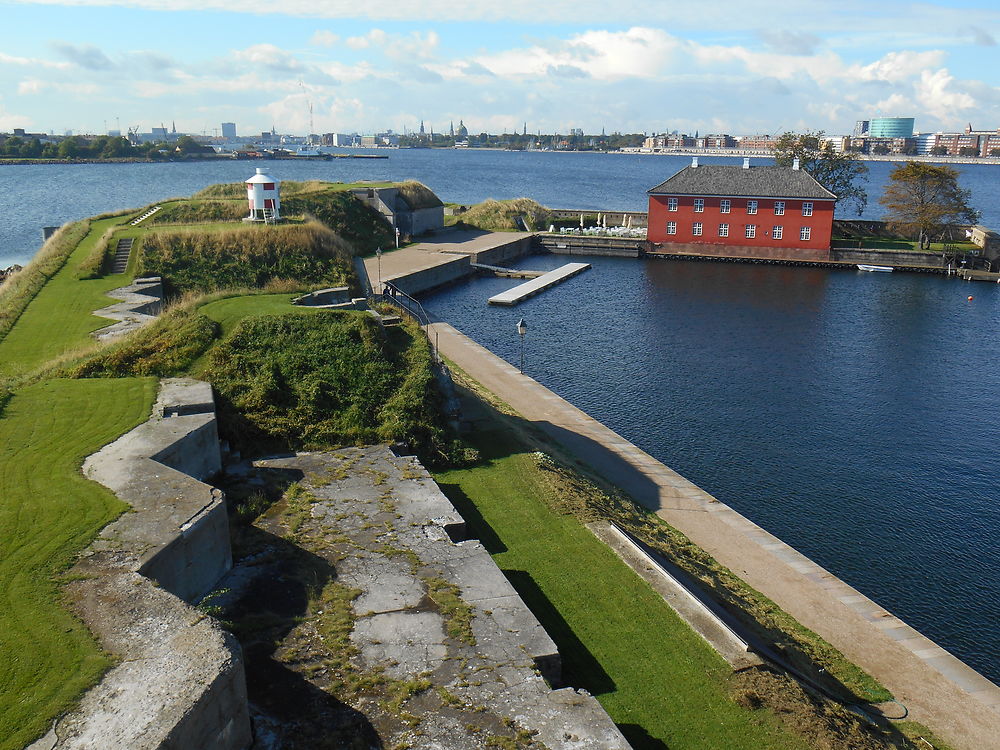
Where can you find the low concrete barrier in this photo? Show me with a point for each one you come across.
(141, 302)
(180, 681)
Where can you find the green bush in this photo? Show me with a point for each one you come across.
(354, 220)
(167, 347)
(324, 380)
(247, 257)
(500, 216)
(17, 291)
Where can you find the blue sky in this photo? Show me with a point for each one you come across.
(642, 66)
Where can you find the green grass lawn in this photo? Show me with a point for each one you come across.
(58, 319)
(662, 684)
(48, 511)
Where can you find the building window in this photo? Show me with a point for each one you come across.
(671, 227)
(807, 209)
(776, 232)
(699, 205)
(671, 204)
(751, 207)
(696, 229)
(723, 230)
(779, 208)
(805, 233)
(751, 231)
(724, 206)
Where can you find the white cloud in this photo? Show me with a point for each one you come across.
(85, 55)
(32, 62)
(324, 38)
(33, 86)
(937, 94)
(897, 66)
(269, 56)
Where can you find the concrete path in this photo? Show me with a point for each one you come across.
(959, 704)
(444, 248)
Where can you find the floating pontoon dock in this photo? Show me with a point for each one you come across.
(543, 282)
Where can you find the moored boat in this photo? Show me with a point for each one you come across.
(883, 269)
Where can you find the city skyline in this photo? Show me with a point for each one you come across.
(750, 67)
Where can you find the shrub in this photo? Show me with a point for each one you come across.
(166, 347)
(247, 256)
(500, 216)
(417, 195)
(354, 220)
(311, 381)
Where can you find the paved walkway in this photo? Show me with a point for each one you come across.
(959, 704)
(441, 249)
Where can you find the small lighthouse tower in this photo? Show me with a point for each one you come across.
(262, 195)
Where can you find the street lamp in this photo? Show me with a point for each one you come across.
(378, 254)
(522, 328)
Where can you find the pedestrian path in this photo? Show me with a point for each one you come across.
(939, 690)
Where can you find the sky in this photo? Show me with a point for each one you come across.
(735, 66)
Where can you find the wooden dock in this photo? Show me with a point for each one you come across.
(513, 273)
(540, 284)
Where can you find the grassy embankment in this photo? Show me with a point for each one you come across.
(501, 216)
(48, 512)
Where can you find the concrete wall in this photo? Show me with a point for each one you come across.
(886, 257)
(420, 220)
(742, 251)
(336, 295)
(179, 682)
(510, 251)
(428, 278)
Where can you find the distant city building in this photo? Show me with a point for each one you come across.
(861, 127)
(890, 127)
(744, 208)
(757, 142)
(338, 139)
(229, 131)
(968, 143)
(159, 134)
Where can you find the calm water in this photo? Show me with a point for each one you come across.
(35, 196)
(853, 415)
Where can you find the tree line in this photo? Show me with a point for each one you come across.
(101, 147)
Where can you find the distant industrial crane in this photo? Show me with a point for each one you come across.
(312, 127)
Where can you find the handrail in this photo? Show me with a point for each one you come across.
(411, 307)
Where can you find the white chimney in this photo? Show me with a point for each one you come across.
(746, 162)
(694, 162)
(795, 163)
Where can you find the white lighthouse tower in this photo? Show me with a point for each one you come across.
(263, 197)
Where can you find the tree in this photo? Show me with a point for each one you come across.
(187, 145)
(995, 152)
(939, 151)
(922, 199)
(842, 173)
(881, 149)
(968, 151)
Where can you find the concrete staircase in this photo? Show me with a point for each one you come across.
(145, 216)
(119, 263)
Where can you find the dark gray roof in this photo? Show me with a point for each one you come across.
(755, 182)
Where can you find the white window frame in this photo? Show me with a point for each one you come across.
(671, 227)
(696, 229)
(751, 231)
(671, 204)
(751, 207)
(805, 234)
(779, 208)
(807, 208)
(777, 232)
(725, 205)
(723, 230)
(699, 205)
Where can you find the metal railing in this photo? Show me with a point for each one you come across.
(408, 306)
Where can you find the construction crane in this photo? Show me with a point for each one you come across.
(312, 128)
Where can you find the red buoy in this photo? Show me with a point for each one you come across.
(970, 298)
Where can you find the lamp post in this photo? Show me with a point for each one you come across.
(522, 328)
(378, 254)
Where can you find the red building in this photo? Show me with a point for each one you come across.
(760, 212)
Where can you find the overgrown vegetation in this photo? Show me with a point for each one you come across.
(306, 381)
(501, 216)
(417, 195)
(92, 266)
(199, 211)
(359, 224)
(17, 291)
(167, 347)
(249, 256)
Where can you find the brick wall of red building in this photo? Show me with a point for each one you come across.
(792, 221)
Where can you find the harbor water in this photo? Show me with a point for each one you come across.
(856, 416)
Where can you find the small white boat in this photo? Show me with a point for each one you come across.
(883, 269)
